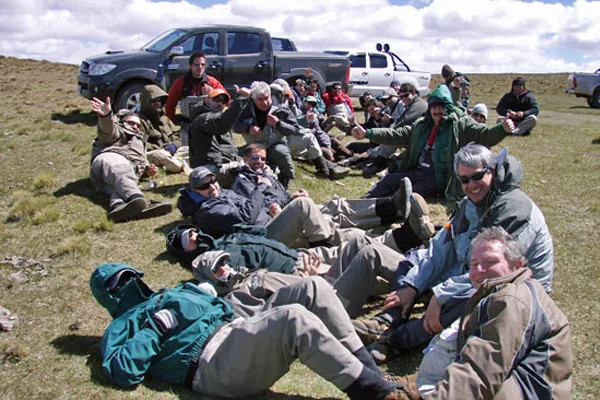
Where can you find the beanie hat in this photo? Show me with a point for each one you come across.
(518, 81)
(480, 109)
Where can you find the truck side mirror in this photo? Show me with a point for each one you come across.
(386, 47)
(378, 47)
(176, 51)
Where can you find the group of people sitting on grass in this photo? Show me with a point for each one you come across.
(279, 278)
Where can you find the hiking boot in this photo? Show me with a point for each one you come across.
(418, 218)
(406, 384)
(338, 172)
(370, 330)
(129, 210)
(156, 209)
(401, 199)
(382, 350)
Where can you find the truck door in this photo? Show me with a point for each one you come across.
(206, 42)
(248, 59)
(380, 72)
(359, 74)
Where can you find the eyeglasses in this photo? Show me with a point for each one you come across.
(132, 123)
(337, 88)
(403, 95)
(220, 99)
(199, 64)
(257, 157)
(206, 185)
(476, 177)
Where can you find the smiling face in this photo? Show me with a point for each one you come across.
(263, 102)
(256, 160)
(518, 89)
(476, 190)
(209, 187)
(197, 67)
(438, 112)
(488, 260)
(132, 123)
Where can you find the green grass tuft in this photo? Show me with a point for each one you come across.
(27, 206)
(78, 245)
(44, 181)
(46, 216)
(12, 353)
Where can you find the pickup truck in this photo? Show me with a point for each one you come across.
(374, 71)
(234, 55)
(586, 85)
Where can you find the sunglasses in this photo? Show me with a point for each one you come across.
(476, 177)
(257, 157)
(199, 64)
(206, 185)
(132, 123)
(220, 99)
(337, 88)
(404, 95)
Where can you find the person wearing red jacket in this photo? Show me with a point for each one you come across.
(340, 110)
(194, 83)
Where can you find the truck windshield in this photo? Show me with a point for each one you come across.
(164, 40)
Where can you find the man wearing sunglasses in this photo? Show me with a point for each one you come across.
(193, 84)
(493, 198)
(211, 134)
(119, 161)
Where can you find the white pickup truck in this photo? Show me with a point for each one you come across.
(586, 85)
(374, 71)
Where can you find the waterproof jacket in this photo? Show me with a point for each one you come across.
(211, 137)
(248, 247)
(416, 109)
(115, 137)
(217, 215)
(246, 182)
(513, 343)
(158, 129)
(456, 130)
(185, 86)
(445, 267)
(133, 346)
(525, 102)
(271, 135)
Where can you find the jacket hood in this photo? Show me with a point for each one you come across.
(130, 294)
(202, 268)
(442, 93)
(149, 93)
(509, 174)
(205, 243)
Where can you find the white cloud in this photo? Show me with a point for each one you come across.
(473, 36)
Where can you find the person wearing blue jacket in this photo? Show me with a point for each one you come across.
(188, 336)
(494, 198)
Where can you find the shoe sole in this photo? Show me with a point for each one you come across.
(407, 195)
(367, 336)
(156, 210)
(129, 211)
(425, 229)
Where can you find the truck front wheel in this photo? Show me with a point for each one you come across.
(594, 101)
(129, 97)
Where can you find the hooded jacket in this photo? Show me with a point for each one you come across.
(133, 345)
(513, 343)
(158, 129)
(246, 183)
(248, 247)
(216, 216)
(525, 102)
(115, 137)
(211, 137)
(456, 130)
(445, 268)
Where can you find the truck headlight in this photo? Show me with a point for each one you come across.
(101, 69)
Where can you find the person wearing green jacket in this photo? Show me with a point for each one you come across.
(187, 335)
(430, 143)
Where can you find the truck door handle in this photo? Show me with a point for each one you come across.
(261, 64)
(387, 74)
(365, 74)
(215, 64)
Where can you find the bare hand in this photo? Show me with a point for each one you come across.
(404, 298)
(310, 262)
(272, 120)
(255, 131)
(264, 180)
(431, 320)
(300, 193)
(351, 120)
(206, 88)
(386, 118)
(242, 92)
(102, 108)
(358, 132)
(274, 210)
(508, 124)
(151, 169)
(310, 116)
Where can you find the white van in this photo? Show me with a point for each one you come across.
(374, 71)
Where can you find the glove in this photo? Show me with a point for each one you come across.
(171, 148)
(165, 320)
(208, 287)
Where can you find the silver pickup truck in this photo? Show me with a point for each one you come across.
(586, 85)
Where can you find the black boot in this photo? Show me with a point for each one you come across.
(365, 358)
(370, 386)
(320, 164)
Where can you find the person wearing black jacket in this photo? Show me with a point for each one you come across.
(520, 106)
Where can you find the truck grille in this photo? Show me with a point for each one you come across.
(85, 67)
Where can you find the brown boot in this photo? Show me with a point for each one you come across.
(407, 387)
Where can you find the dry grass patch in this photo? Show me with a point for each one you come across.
(77, 245)
(44, 181)
(25, 206)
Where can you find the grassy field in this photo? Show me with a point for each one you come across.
(53, 232)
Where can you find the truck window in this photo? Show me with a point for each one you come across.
(281, 44)
(378, 61)
(358, 61)
(163, 41)
(243, 43)
(207, 42)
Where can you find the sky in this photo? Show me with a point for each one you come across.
(500, 36)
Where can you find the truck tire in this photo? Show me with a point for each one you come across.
(129, 97)
(594, 101)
